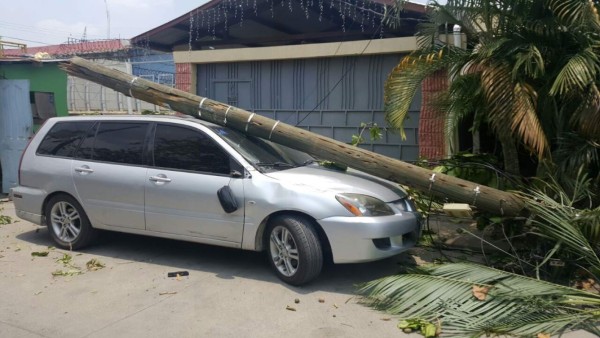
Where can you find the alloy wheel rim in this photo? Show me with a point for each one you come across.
(65, 221)
(284, 251)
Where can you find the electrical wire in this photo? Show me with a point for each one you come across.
(44, 43)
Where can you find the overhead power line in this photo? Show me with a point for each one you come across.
(43, 43)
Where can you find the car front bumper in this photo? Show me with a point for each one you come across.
(364, 239)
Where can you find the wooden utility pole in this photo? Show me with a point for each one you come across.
(436, 184)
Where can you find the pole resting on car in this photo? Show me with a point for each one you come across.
(443, 186)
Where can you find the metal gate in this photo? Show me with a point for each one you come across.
(328, 96)
(16, 123)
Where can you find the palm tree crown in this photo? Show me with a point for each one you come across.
(531, 70)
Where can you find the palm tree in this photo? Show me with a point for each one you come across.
(531, 70)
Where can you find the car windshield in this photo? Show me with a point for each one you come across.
(263, 154)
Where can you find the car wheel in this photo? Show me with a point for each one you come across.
(294, 249)
(68, 224)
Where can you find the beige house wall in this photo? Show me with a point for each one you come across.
(332, 49)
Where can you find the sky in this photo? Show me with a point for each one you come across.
(51, 22)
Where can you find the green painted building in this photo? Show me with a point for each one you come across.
(47, 85)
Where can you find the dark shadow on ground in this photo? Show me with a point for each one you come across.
(223, 262)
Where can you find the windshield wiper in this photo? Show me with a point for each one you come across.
(275, 164)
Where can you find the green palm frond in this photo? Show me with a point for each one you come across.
(542, 31)
(405, 79)
(589, 223)
(483, 52)
(554, 221)
(587, 117)
(391, 15)
(508, 285)
(526, 323)
(579, 71)
(576, 12)
(555, 217)
(511, 304)
(457, 110)
(417, 295)
(574, 151)
(528, 61)
(464, 98)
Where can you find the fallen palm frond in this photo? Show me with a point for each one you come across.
(556, 217)
(471, 300)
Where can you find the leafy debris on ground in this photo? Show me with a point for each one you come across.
(39, 253)
(5, 219)
(66, 260)
(427, 328)
(67, 273)
(94, 265)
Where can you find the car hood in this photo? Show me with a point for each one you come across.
(350, 181)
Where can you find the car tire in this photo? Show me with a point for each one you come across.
(294, 249)
(67, 223)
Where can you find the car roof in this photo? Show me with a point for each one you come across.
(152, 118)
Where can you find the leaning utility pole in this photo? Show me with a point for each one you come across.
(436, 184)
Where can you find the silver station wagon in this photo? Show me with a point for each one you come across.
(186, 179)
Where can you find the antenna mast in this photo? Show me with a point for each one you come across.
(107, 20)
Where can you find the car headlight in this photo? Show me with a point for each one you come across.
(363, 205)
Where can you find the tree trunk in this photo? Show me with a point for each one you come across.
(509, 152)
(440, 185)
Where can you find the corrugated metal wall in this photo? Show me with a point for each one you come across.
(329, 96)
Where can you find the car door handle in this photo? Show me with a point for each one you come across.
(159, 179)
(84, 169)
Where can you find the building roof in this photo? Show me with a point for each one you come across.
(258, 23)
(71, 49)
(28, 60)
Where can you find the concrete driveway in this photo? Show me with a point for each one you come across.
(228, 293)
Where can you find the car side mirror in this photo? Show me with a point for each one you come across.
(236, 174)
(227, 199)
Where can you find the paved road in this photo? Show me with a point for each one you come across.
(228, 293)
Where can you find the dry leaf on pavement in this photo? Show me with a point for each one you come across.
(480, 292)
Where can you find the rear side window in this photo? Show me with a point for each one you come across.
(63, 138)
(187, 149)
(118, 142)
